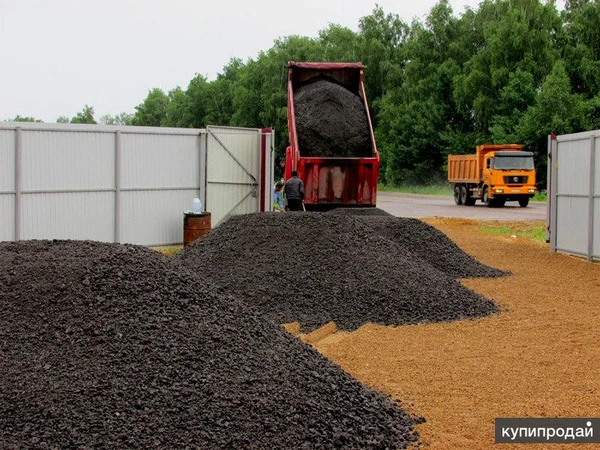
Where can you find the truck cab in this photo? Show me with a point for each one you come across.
(508, 176)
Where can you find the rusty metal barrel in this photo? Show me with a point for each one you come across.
(195, 225)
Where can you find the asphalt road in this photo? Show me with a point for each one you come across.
(413, 205)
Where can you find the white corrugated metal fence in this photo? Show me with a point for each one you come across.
(126, 184)
(574, 194)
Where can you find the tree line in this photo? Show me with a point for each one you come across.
(510, 71)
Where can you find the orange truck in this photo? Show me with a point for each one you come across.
(495, 174)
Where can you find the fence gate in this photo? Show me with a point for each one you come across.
(574, 194)
(238, 171)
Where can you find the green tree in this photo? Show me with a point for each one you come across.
(557, 110)
(582, 49)
(198, 102)
(382, 37)
(152, 111)
(86, 115)
(260, 92)
(592, 113)
(515, 99)
(515, 35)
(220, 94)
(418, 123)
(62, 119)
(177, 109)
(119, 119)
(339, 44)
(19, 118)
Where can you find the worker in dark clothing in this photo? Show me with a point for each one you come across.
(294, 192)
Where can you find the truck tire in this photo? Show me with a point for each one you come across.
(468, 200)
(457, 196)
(463, 194)
(485, 198)
(523, 202)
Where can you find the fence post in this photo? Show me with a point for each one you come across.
(553, 205)
(203, 163)
(591, 199)
(18, 182)
(117, 230)
(549, 230)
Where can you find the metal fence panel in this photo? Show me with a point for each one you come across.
(154, 217)
(160, 160)
(83, 160)
(572, 225)
(7, 217)
(69, 215)
(7, 184)
(597, 166)
(572, 191)
(7, 161)
(573, 163)
(574, 194)
(596, 229)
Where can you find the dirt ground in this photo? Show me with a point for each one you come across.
(539, 357)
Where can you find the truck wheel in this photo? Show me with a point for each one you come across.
(464, 194)
(485, 198)
(523, 202)
(457, 196)
(467, 199)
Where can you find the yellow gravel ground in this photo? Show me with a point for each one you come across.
(540, 357)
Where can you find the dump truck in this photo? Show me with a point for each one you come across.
(331, 140)
(495, 174)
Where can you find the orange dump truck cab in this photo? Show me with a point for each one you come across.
(495, 174)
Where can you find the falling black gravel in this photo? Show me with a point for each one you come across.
(331, 121)
(321, 267)
(112, 346)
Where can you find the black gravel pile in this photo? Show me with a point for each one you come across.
(331, 121)
(112, 346)
(431, 245)
(318, 267)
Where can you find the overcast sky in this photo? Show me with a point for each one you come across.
(58, 55)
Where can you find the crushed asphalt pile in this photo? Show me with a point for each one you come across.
(320, 267)
(331, 121)
(424, 241)
(113, 346)
(429, 244)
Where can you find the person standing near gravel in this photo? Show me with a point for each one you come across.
(294, 192)
(278, 198)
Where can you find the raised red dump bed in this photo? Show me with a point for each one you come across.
(332, 181)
